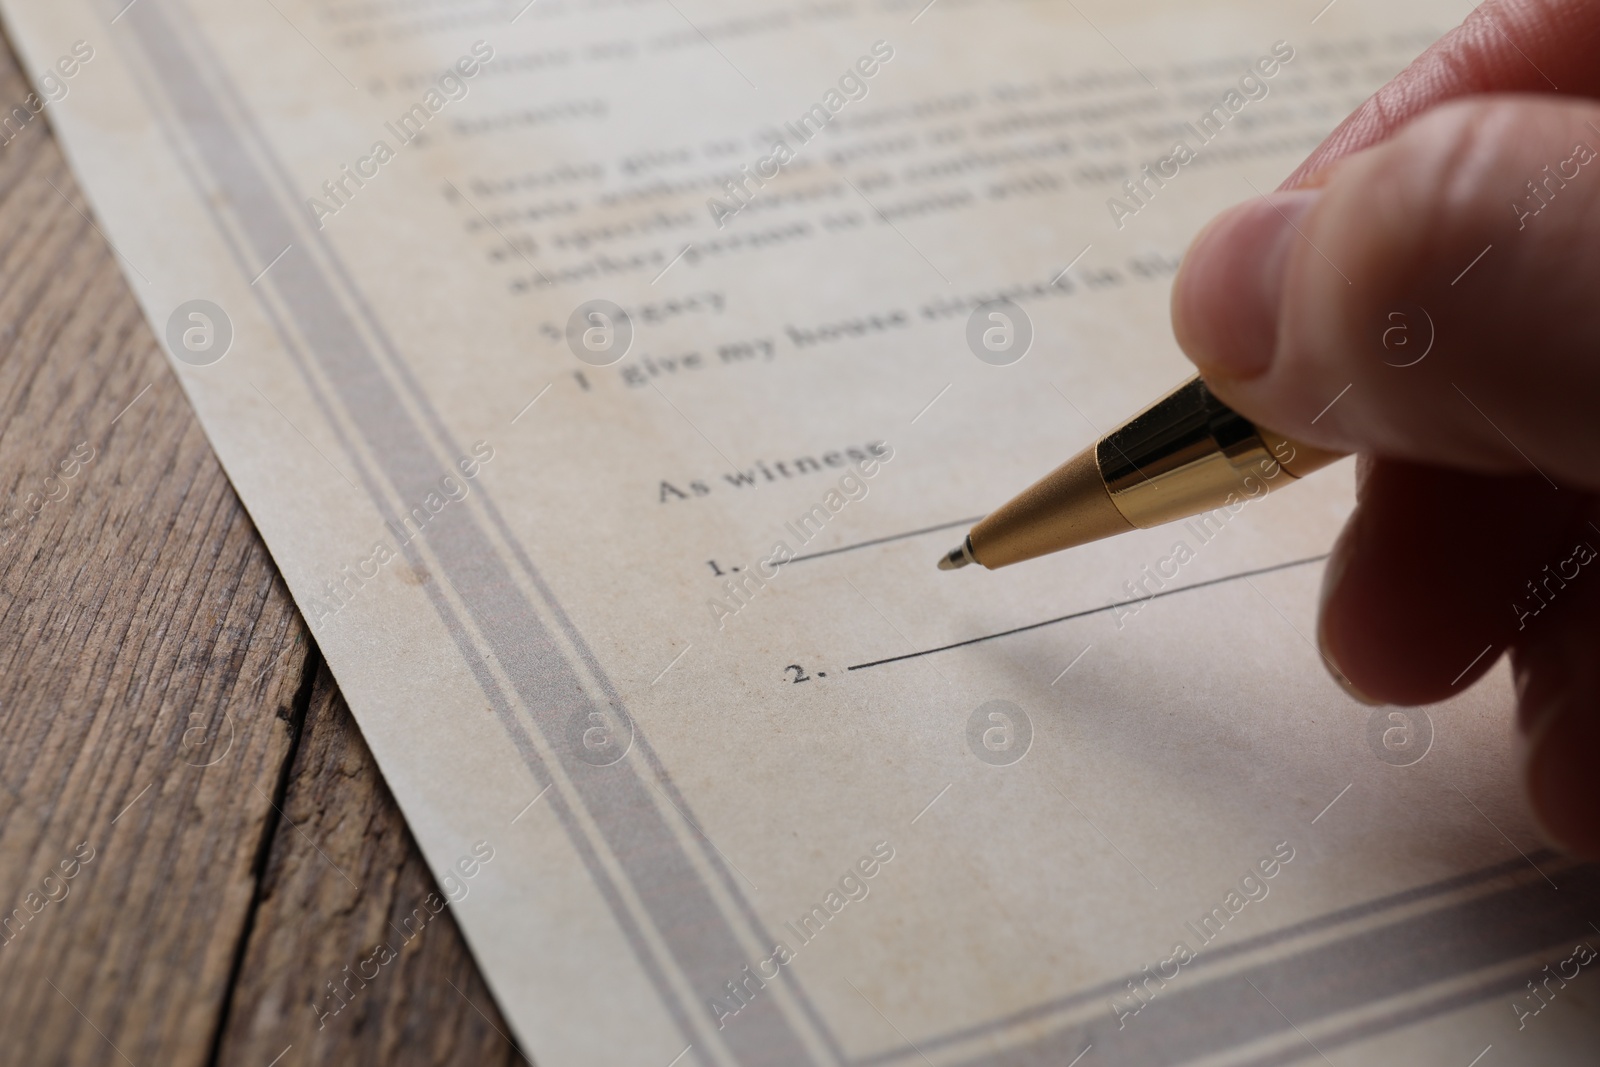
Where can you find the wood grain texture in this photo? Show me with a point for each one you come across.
(323, 989)
(145, 634)
(153, 678)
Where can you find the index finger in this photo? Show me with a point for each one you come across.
(1505, 46)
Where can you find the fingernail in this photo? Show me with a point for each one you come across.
(1332, 575)
(1563, 789)
(1225, 298)
(1537, 674)
(1346, 684)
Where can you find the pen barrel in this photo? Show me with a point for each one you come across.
(1190, 453)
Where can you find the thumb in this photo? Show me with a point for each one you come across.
(1432, 300)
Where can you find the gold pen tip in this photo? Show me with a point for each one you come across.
(957, 557)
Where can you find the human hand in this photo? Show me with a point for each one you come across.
(1478, 483)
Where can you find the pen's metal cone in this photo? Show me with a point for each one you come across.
(956, 558)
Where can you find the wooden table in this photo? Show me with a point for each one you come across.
(169, 734)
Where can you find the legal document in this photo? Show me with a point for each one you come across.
(606, 379)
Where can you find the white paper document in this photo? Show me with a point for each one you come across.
(606, 379)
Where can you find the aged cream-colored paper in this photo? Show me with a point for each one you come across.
(606, 379)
